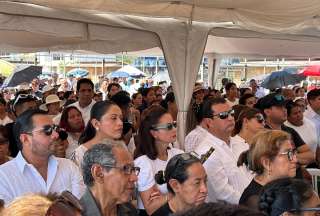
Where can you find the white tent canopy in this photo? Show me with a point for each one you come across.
(180, 29)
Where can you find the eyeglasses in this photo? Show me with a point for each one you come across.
(290, 154)
(22, 96)
(224, 115)
(47, 129)
(316, 210)
(260, 118)
(168, 126)
(66, 198)
(126, 169)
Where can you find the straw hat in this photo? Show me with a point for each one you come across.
(49, 100)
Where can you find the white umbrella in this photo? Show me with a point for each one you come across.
(132, 71)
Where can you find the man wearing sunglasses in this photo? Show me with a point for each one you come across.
(275, 112)
(226, 181)
(35, 169)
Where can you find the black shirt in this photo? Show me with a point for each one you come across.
(250, 195)
(163, 211)
(296, 138)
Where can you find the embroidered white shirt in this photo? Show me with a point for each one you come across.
(194, 138)
(18, 177)
(148, 169)
(226, 181)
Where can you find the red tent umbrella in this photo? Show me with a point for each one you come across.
(312, 70)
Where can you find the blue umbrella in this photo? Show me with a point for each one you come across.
(77, 72)
(279, 79)
(119, 74)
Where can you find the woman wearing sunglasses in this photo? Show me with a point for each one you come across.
(72, 122)
(186, 180)
(250, 121)
(157, 131)
(271, 156)
(289, 197)
(105, 123)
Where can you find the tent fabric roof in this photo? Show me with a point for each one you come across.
(183, 30)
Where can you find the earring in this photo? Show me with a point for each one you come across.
(97, 129)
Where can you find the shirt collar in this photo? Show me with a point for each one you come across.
(22, 163)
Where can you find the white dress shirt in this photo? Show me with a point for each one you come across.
(226, 181)
(308, 133)
(18, 177)
(314, 117)
(194, 138)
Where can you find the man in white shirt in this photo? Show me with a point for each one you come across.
(226, 181)
(313, 109)
(232, 93)
(305, 127)
(85, 92)
(194, 138)
(35, 169)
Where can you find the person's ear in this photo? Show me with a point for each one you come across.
(266, 163)
(97, 173)
(175, 185)
(95, 123)
(24, 139)
(267, 111)
(154, 133)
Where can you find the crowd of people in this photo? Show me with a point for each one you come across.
(83, 149)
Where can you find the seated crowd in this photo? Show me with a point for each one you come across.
(108, 150)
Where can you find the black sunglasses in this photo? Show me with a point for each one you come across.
(168, 126)
(224, 115)
(47, 129)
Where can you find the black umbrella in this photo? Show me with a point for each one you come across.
(21, 74)
(278, 79)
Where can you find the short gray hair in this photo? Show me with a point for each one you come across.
(102, 154)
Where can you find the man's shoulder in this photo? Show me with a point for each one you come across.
(64, 163)
(8, 167)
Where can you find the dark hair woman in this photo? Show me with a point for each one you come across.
(186, 181)
(105, 123)
(289, 197)
(72, 122)
(249, 122)
(156, 132)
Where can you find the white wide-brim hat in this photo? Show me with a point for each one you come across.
(49, 100)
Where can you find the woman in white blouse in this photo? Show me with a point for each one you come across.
(105, 123)
(72, 122)
(157, 131)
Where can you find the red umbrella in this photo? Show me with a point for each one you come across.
(312, 70)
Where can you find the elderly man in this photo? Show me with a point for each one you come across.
(226, 181)
(35, 169)
(110, 176)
